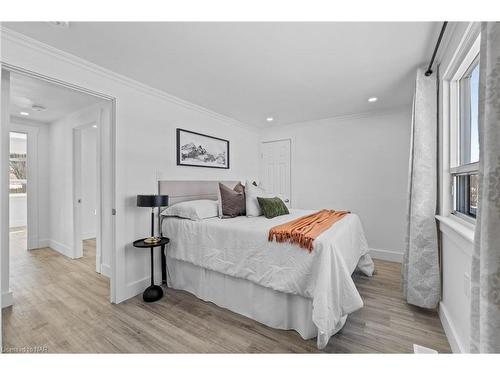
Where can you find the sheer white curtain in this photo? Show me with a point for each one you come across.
(485, 296)
(420, 271)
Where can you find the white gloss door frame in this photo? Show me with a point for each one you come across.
(109, 200)
(4, 89)
(6, 296)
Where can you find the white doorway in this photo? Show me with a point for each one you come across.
(24, 203)
(276, 168)
(48, 114)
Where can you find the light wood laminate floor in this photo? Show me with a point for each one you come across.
(62, 305)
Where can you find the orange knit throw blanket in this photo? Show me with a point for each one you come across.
(304, 230)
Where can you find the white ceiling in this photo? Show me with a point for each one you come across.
(59, 101)
(250, 71)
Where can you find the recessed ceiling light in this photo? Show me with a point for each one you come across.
(94, 126)
(269, 119)
(24, 113)
(38, 108)
(373, 99)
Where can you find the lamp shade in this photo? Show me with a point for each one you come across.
(152, 200)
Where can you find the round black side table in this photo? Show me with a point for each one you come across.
(153, 292)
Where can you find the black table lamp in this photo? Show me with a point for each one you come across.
(152, 201)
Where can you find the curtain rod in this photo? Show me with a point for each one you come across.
(429, 70)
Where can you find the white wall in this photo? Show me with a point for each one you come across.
(146, 120)
(359, 163)
(454, 310)
(89, 182)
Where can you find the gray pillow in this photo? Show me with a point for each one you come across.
(232, 202)
(239, 188)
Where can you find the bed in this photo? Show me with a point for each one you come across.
(231, 263)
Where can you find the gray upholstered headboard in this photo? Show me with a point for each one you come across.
(180, 191)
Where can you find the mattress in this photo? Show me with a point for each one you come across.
(239, 247)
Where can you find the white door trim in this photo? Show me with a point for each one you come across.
(99, 203)
(32, 187)
(5, 292)
(112, 188)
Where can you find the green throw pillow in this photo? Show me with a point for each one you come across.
(272, 207)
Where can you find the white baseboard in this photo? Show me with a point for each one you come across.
(389, 255)
(43, 243)
(7, 299)
(88, 236)
(61, 248)
(450, 331)
(136, 287)
(106, 270)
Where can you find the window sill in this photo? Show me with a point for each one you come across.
(459, 226)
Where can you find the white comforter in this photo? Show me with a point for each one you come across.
(239, 247)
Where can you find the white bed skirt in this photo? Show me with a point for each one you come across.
(267, 306)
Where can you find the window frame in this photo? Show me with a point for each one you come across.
(465, 114)
(464, 169)
(461, 65)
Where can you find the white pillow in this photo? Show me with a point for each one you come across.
(193, 210)
(251, 202)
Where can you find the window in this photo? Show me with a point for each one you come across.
(17, 163)
(465, 171)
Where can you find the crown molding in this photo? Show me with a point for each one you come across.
(25, 41)
(341, 118)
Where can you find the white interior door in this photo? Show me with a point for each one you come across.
(276, 168)
(87, 188)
